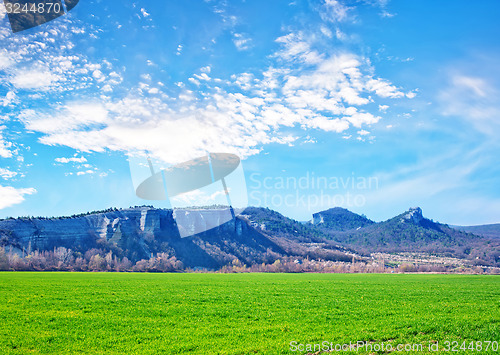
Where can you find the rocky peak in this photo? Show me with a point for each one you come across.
(414, 215)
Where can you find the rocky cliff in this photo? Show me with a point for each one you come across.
(257, 236)
(75, 232)
(138, 233)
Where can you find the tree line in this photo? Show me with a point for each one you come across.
(63, 259)
(99, 260)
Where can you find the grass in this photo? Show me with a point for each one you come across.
(117, 313)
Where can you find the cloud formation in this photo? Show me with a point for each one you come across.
(303, 90)
(10, 196)
(44, 62)
(474, 99)
(71, 160)
(6, 174)
(5, 147)
(305, 87)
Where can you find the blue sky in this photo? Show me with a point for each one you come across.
(399, 97)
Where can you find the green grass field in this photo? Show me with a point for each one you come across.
(117, 313)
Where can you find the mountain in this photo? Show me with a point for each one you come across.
(412, 232)
(257, 236)
(487, 230)
(339, 219)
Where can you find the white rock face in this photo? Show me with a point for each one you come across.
(135, 223)
(140, 232)
(414, 215)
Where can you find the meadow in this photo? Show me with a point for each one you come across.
(136, 313)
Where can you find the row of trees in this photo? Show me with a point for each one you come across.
(62, 259)
(108, 210)
(322, 266)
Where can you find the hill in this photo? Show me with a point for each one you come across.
(339, 219)
(487, 230)
(258, 236)
(412, 232)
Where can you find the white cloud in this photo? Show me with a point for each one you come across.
(241, 41)
(5, 152)
(10, 196)
(327, 97)
(359, 119)
(194, 81)
(341, 36)
(144, 12)
(384, 89)
(311, 89)
(86, 172)
(474, 99)
(9, 99)
(382, 4)
(98, 75)
(3, 12)
(5, 60)
(478, 86)
(328, 125)
(387, 14)
(75, 116)
(326, 31)
(49, 65)
(245, 81)
(296, 47)
(71, 160)
(203, 77)
(34, 79)
(335, 11)
(7, 174)
(309, 139)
